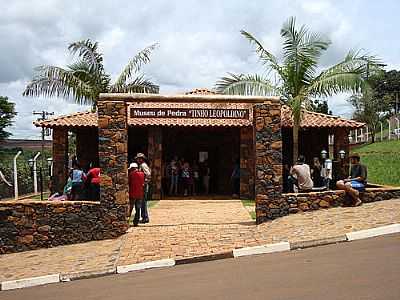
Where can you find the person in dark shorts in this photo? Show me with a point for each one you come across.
(357, 180)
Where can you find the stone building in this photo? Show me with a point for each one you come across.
(224, 129)
(153, 126)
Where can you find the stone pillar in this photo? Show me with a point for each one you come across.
(113, 158)
(155, 157)
(247, 163)
(341, 142)
(268, 182)
(60, 159)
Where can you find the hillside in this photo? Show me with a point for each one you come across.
(383, 162)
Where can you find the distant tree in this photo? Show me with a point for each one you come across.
(83, 80)
(320, 106)
(388, 86)
(369, 107)
(299, 79)
(7, 113)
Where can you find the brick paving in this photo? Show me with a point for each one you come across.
(188, 228)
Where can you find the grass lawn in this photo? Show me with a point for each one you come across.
(383, 162)
(250, 203)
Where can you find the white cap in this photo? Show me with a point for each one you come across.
(133, 165)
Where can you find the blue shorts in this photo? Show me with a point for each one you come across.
(359, 186)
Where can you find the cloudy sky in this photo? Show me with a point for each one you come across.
(199, 40)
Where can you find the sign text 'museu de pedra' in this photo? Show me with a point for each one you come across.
(190, 113)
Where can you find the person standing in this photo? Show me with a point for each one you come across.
(316, 173)
(173, 173)
(93, 180)
(78, 178)
(327, 172)
(206, 177)
(143, 166)
(357, 180)
(235, 178)
(187, 179)
(136, 191)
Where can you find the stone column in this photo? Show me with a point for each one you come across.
(113, 158)
(155, 157)
(269, 201)
(341, 142)
(247, 163)
(60, 159)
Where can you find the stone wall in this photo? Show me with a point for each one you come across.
(268, 181)
(41, 224)
(301, 202)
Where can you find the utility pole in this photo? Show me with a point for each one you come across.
(44, 114)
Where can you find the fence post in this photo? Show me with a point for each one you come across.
(35, 173)
(381, 131)
(389, 129)
(398, 128)
(16, 175)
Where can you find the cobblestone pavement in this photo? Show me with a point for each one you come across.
(204, 227)
(184, 212)
(85, 257)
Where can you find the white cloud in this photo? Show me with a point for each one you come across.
(199, 40)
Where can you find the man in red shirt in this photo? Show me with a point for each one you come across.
(136, 191)
(93, 182)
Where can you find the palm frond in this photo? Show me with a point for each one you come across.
(251, 85)
(138, 85)
(301, 50)
(134, 65)
(266, 57)
(87, 50)
(53, 81)
(346, 76)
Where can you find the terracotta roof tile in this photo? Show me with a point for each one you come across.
(314, 119)
(79, 119)
(310, 119)
(202, 91)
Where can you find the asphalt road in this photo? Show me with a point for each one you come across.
(367, 269)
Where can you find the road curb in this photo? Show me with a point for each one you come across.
(318, 242)
(29, 282)
(203, 258)
(86, 274)
(269, 248)
(373, 232)
(146, 265)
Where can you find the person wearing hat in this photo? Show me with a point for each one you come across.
(136, 191)
(140, 159)
(357, 180)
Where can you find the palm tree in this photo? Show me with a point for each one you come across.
(83, 80)
(298, 81)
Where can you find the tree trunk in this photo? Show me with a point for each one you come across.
(295, 142)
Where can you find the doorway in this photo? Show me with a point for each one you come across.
(217, 147)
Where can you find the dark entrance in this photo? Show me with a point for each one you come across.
(220, 145)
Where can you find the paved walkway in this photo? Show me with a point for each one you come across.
(204, 227)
